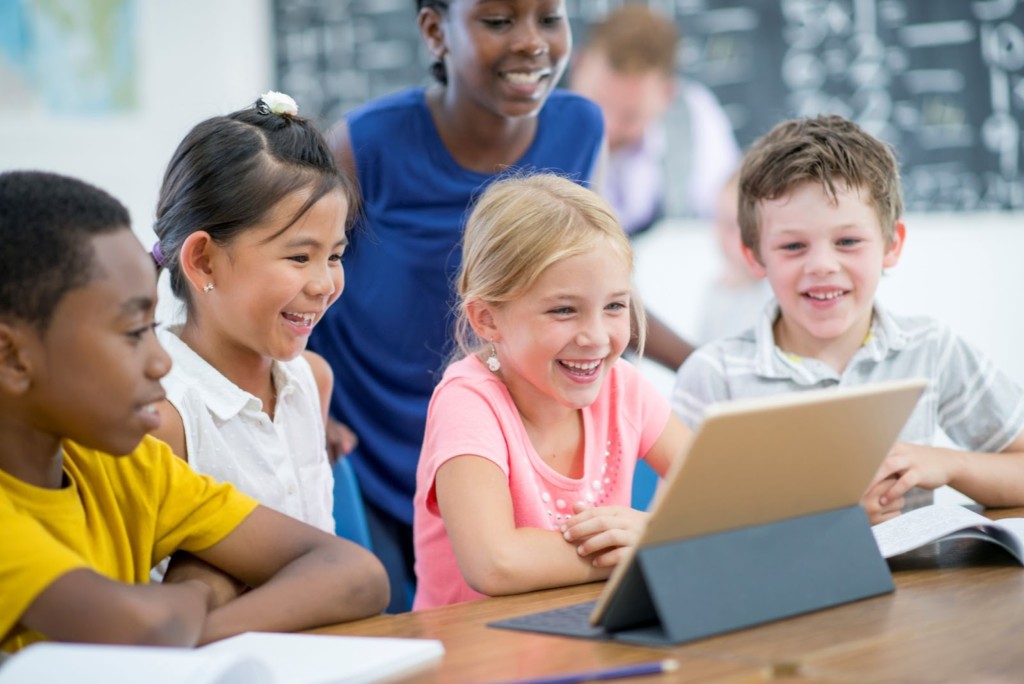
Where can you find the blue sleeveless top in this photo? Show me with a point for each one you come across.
(389, 334)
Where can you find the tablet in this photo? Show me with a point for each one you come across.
(758, 461)
(755, 461)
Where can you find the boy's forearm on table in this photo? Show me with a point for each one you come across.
(325, 586)
(990, 479)
(84, 606)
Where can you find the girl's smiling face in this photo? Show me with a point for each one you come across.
(558, 341)
(507, 55)
(271, 286)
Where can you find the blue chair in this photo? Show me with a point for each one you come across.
(350, 518)
(645, 481)
(349, 514)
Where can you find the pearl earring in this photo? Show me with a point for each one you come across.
(493, 362)
(207, 287)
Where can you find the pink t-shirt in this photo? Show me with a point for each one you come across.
(472, 412)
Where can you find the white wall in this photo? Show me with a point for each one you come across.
(196, 59)
(963, 269)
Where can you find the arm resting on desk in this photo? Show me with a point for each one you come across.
(84, 606)
(495, 556)
(300, 576)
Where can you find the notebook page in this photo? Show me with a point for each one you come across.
(922, 526)
(324, 659)
(107, 664)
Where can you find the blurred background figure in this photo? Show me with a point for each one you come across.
(733, 301)
(671, 145)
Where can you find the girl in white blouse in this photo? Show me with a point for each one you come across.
(251, 223)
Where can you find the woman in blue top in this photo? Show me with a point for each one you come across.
(421, 156)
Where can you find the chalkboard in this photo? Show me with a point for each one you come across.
(942, 80)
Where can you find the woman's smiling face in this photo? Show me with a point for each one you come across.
(507, 55)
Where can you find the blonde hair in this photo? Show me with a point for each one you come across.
(519, 227)
(825, 150)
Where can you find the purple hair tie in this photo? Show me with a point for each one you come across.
(158, 256)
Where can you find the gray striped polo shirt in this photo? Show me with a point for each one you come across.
(968, 398)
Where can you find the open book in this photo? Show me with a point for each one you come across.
(251, 658)
(939, 522)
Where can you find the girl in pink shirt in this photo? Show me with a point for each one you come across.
(532, 438)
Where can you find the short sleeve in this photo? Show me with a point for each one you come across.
(195, 511)
(462, 419)
(700, 381)
(980, 408)
(32, 560)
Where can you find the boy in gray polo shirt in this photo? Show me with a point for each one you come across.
(819, 214)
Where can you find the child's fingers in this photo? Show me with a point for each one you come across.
(348, 438)
(880, 487)
(870, 500)
(585, 511)
(894, 465)
(885, 490)
(577, 529)
(581, 512)
(608, 539)
(340, 440)
(890, 506)
(596, 520)
(896, 506)
(609, 558)
(881, 502)
(881, 517)
(909, 479)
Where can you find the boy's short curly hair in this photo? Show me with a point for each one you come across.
(46, 225)
(829, 150)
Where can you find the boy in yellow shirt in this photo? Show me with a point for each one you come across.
(820, 215)
(88, 502)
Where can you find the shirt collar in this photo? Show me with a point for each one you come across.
(222, 397)
(770, 361)
(884, 336)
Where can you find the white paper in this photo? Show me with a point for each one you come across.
(251, 658)
(324, 659)
(106, 664)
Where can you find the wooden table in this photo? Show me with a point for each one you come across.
(957, 615)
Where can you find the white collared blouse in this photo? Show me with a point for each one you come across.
(282, 463)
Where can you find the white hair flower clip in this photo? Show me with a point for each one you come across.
(273, 102)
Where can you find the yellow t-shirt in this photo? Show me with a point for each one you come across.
(116, 515)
